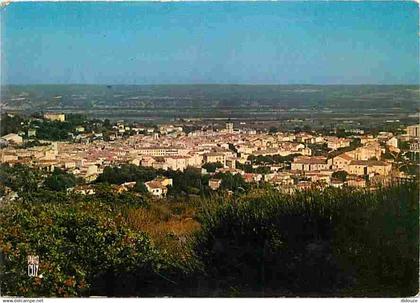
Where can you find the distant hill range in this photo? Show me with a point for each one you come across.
(90, 97)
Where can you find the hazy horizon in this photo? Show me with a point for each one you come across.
(205, 84)
(210, 43)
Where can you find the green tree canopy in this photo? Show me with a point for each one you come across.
(60, 180)
(212, 166)
(82, 248)
(340, 175)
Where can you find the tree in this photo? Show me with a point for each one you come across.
(188, 182)
(271, 159)
(126, 173)
(212, 166)
(76, 119)
(341, 133)
(20, 178)
(262, 170)
(106, 194)
(107, 124)
(340, 175)
(10, 124)
(233, 148)
(232, 182)
(404, 145)
(140, 188)
(335, 241)
(53, 130)
(82, 249)
(60, 180)
(245, 167)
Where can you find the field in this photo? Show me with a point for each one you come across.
(245, 102)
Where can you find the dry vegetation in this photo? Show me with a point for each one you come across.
(169, 225)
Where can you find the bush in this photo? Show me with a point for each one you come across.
(140, 187)
(126, 173)
(107, 195)
(312, 243)
(82, 249)
(233, 182)
(20, 178)
(340, 175)
(212, 166)
(60, 180)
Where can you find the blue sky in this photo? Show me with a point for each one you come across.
(211, 42)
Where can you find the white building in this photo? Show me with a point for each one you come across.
(158, 187)
(229, 127)
(55, 117)
(413, 131)
(13, 138)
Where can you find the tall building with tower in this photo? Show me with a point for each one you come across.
(229, 127)
(413, 131)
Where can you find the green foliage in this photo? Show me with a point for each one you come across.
(412, 156)
(331, 242)
(249, 169)
(2, 190)
(341, 242)
(107, 124)
(52, 130)
(106, 194)
(10, 124)
(188, 182)
(271, 159)
(20, 178)
(233, 182)
(212, 166)
(32, 143)
(45, 130)
(377, 238)
(80, 248)
(76, 119)
(245, 167)
(388, 155)
(233, 148)
(341, 133)
(340, 175)
(126, 173)
(403, 145)
(140, 188)
(411, 169)
(59, 180)
(319, 149)
(262, 170)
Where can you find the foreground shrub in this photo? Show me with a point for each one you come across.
(336, 242)
(263, 243)
(83, 250)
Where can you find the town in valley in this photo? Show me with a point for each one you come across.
(197, 149)
(286, 160)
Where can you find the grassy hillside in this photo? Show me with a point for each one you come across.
(329, 243)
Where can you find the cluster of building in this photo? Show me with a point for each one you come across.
(172, 149)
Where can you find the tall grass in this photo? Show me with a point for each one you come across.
(335, 242)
